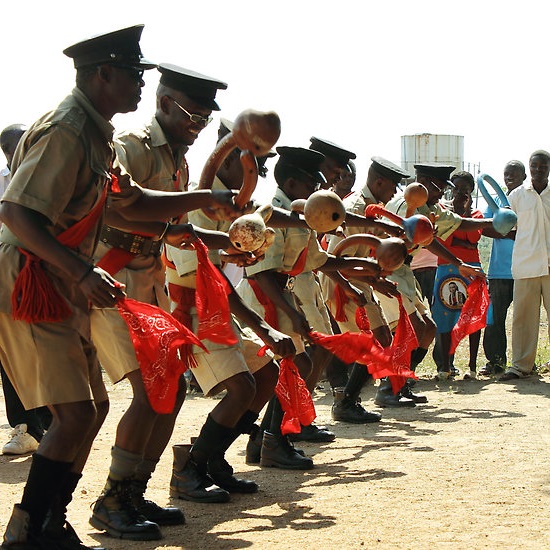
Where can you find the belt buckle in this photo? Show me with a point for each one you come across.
(290, 283)
(136, 246)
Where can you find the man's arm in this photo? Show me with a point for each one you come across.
(467, 271)
(32, 230)
(270, 286)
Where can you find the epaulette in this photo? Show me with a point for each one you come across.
(74, 118)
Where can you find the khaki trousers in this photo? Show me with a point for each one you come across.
(526, 321)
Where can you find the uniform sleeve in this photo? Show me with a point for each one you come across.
(274, 256)
(50, 168)
(316, 256)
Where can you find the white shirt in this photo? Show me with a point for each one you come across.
(531, 256)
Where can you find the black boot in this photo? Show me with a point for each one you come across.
(56, 527)
(114, 513)
(168, 515)
(189, 483)
(386, 398)
(222, 473)
(219, 469)
(347, 409)
(406, 391)
(317, 434)
(278, 452)
(254, 447)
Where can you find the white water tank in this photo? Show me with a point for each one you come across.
(423, 148)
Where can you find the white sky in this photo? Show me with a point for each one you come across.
(359, 73)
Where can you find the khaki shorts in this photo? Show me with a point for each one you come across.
(223, 362)
(49, 363)
(391, 307)
(309, 298)
(112, 339)
(285, 324)
(374, 311)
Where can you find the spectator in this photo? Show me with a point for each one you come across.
(530, 259)
(501, 283)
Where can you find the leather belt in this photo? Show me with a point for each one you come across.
(135, 244)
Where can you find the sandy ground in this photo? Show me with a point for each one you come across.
(471, 469)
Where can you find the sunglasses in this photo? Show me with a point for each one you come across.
(439, 189)
(193, 117)
(135, 74)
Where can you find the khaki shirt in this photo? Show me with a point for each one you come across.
(186, 260)
(147, 157)
(60, 169)
(355, 204)
(289, 243)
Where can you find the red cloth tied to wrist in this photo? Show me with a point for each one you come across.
(295, 398)
(364, 348)
(361, 347)
(211, 300)
(34, 298)
(473, 316)
(403, 343)
(156, 337)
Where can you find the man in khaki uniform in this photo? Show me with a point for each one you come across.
(268, 287)
(382, 180)
(249, 380)
(60, 178)
(155, 157)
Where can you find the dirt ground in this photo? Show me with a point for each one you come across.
(471, 469)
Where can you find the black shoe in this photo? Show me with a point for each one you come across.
(115, 514)
(313, 433)
(254, 447)
(169, 515)
(188, 483)
(346, 410)
(408, 394)
(388, 399)
(64, 537)
(221, 473)
(509, 376)
(278, 452)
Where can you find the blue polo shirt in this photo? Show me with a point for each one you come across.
(500, 264)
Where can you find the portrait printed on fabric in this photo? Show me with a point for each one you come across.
(453, 293)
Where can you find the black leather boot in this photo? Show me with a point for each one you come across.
(168, 515)
(406, 391)
(347, 409)
(317, 434)
(222, 474)
(56, 527)
(188, 483)
(115, 514)
(278, 452)
(386, 398)
(254, 447)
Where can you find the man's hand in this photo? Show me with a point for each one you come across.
(280, 343)
(385, 287)
(300, 324)
(181, 236)
(390, 228)
(223, 202)
(354, 294)
(241, 259)
(100, 288)
(471, 272)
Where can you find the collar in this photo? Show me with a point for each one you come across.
(105, 126)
